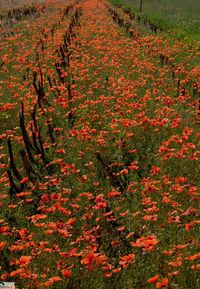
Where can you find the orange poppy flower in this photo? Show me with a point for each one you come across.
(164, 283)
(66, 273)
(153, 279)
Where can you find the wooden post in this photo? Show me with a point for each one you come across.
(141, 6)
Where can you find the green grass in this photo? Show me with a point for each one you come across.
(181, 16)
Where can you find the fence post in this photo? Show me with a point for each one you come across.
(141, 4)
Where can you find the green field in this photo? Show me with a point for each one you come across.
(179, 15)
